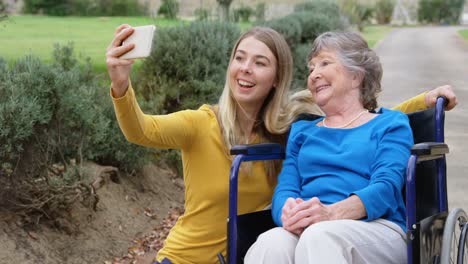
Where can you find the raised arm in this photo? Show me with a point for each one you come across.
(119, 69)
(427, 100)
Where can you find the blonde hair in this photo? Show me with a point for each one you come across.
(278, 110)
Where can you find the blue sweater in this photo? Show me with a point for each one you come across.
(333, 164)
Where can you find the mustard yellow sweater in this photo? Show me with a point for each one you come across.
(200, 233)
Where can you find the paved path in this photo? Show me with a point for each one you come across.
(418, 58)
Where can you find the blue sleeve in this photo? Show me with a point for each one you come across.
(289, 183)
(388, 169)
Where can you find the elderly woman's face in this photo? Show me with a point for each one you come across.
(329, 79)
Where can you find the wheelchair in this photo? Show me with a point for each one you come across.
(434, 235)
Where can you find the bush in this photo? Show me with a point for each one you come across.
(301, 28)
(288, 26)
(440, 11)
(202, 14)
(169, 9)
(53, 118)
(356, 12)
(327, 7)
(84, 7)
(187, 66)
(243, 13)
(384, 11)
(260, 10)
(63, 104)
(301, 71)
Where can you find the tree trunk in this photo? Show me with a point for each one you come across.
(224, 4)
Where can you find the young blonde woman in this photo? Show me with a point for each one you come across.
(254, 107)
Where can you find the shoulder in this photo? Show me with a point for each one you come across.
(389, 116)
(393, 122)
(202, 117)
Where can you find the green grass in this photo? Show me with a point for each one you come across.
(373, 34)
(36, 35)
(463, 33)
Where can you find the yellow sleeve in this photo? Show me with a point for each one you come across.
(160, 131)
(414, 104)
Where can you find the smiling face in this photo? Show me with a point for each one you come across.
(330, 82)
(252, 72)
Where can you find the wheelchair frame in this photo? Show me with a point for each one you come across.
(419, 233)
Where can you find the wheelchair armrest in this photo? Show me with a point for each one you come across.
(429, 150)
(257, 149)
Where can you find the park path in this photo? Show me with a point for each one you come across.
(415, 59)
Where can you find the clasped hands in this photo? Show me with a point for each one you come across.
(298, 214)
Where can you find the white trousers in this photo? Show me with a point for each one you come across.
(340, 241)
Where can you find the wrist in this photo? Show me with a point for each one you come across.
(119, 89)
(427, 99)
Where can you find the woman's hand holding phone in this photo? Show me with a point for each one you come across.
(129, 43)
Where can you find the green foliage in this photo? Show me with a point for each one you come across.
(243, 13)
(187, 66)
(440, 11)
(289, 26)
(301, 28)
(260, 10)
(224, 4)
(3, 8)
(301, 71)
(83, 7)
(58, 111)
(169, 9)
(202, 14)
(356, 12)
(384, 11)
(328, 7)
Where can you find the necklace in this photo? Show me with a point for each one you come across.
(347, 124)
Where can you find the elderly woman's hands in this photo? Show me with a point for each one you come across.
(298, 214)
(446, 91)
(119, 69)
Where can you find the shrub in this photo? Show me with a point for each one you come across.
(202, 14)
(384, 11)
(84, 7)
(54, 116)
(243, 13)
(301, 28)
(289, 26)
(356, 12)
(187, 66)
(327, 7)
(440, 11)
(301, 71)
(169, 9)
(260, 10)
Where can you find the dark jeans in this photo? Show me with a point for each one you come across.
(164, 261)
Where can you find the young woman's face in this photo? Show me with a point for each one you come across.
(329, 79)
(252, 72)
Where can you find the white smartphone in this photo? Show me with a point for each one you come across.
(142, 37)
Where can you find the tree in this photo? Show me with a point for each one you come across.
(224, 4)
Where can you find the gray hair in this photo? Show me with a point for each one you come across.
(356, 56)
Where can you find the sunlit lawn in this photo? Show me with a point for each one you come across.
(464, 33)
(21, 35)
(373, 34)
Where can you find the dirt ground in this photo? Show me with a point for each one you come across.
(126, 211)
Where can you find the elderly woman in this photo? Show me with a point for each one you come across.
(338, 198)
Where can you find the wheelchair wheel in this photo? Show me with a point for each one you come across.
(454, 240)
(462, 246)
